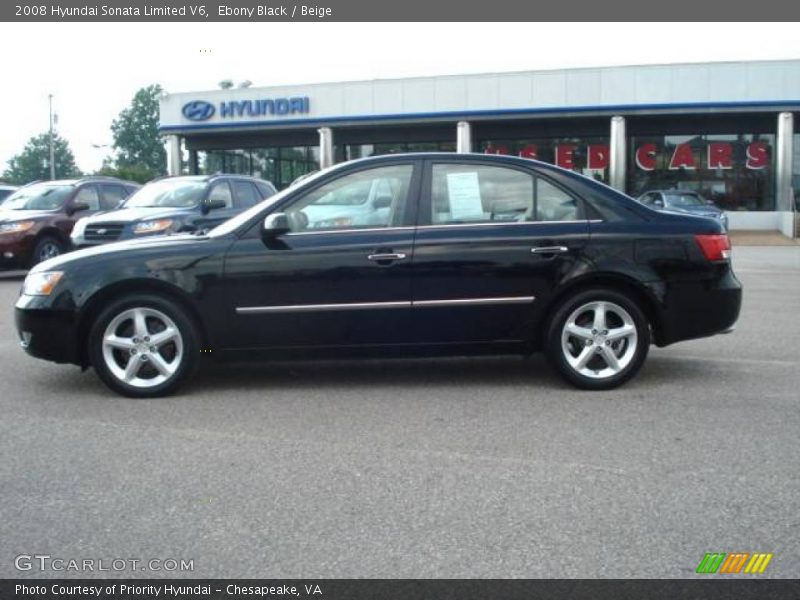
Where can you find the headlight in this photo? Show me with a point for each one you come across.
(16, 226)
(152, 226)
(42, 283)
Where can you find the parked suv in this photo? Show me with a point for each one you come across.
(171, 205)
(36, 220)
(683, 201)
(6, 190)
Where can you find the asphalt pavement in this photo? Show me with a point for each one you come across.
(479, 467)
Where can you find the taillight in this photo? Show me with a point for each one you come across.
(715, 247)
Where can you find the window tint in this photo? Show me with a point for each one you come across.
(88, 195)
(553, 203)
(221, 191)
(371, 198)
(475, 193)
(112, 196)
(246, 193)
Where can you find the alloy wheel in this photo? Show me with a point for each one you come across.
(48, 250)
(599, 339)
(142, 347)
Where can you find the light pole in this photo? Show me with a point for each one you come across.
(52, 149)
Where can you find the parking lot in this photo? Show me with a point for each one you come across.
(425, 468)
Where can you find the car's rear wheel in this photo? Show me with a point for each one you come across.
(144, 346)
(47, 247)
(598, 339)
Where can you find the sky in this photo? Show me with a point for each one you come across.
(94, 69)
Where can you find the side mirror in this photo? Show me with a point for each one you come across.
(78, 207)
(275, 224)
(210, 205)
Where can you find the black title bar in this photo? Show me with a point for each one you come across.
(405, 10)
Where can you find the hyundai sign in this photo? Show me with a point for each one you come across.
(200, 110)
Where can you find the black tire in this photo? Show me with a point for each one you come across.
(48, 246)
(558, 342)
(184, 361)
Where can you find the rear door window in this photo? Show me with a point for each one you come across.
(112, 196)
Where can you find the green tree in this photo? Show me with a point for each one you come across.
(136, 140)
(34, 161)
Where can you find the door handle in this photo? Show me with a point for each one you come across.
(549, 250)
(387, 256)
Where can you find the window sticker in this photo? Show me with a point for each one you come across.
(464, 194)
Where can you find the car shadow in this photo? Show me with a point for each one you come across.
(423, 373)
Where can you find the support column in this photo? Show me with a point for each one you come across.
(617, 152)
(326, 158)
(173, 155)
(784, 195)
(463, 137)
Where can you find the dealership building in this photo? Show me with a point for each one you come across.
(724, 129)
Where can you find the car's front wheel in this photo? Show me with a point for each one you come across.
(47, 247)
(598, 339)
(144, 346)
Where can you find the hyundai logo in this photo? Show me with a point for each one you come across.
(198, 110)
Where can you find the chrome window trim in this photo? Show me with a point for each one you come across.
(290, 308)
(443, 226)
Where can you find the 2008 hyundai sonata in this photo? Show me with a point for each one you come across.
(402, 255)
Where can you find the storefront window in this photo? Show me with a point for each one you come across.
(281, 165)
(353, 151)
(734, 171)
(586, 155)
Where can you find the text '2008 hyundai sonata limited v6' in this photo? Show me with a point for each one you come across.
(401, 255)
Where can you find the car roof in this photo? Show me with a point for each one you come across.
(87, 179)
(210, 177)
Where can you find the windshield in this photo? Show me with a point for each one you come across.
(685, 200)
(41, 196)
(168, 193)
(233, 224)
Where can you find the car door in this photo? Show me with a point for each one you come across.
(218, 191)
(340, 277)
(85, 202)
(493, 242)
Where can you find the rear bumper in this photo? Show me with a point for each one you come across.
(48, 334)
(696, 309)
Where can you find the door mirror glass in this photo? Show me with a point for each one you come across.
(214, 204)
(275, 224)
(78, 207)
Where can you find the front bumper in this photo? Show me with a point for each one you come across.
(47, 333)
(15, 251)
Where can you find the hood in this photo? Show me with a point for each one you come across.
(23, 215)
(106, 250)
(143, 213)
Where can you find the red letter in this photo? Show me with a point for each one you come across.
(598, 156)
(490, 149)
(565, 155)
(646, 157)
(757, 155)
(529, 151)
(682, 158)
(719, 155)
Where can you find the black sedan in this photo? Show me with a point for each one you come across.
(401, 255)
